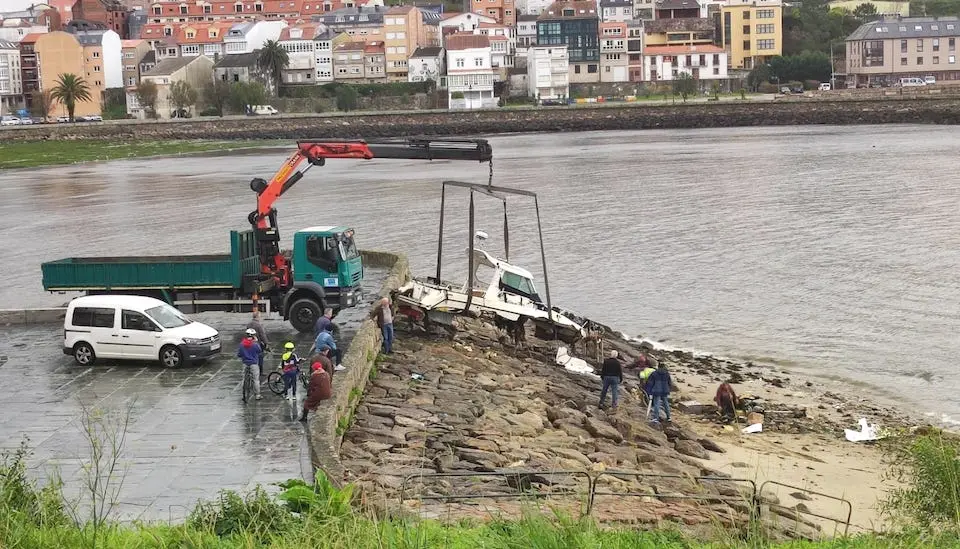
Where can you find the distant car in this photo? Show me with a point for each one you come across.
(930, 80)
(910, 83)
(785, 90)
(824, 86)
(26, 121)
(262, 110)
(63, 119)
(182, 113)
(9, 121)
(93, 118)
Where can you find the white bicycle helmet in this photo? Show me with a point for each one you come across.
(251, 332)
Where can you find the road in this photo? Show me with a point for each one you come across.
(189, 434)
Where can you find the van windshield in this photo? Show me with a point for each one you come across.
(167, 316)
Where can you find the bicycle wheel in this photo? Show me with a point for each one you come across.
(303, 380)
(275, 383)
(247, 385)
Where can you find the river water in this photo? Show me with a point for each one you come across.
(829, 250)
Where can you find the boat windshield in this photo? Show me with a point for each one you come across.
(520, 284)
(348, 249)
(167, 316)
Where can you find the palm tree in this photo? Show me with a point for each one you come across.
(272, 60)
(70, 88)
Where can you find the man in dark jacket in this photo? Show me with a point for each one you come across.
(318, 390)
(250, 353)
(612, 376)
(658, 387)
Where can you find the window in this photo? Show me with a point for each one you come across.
(746, 29)
(936, 59)
(903, 46)
(206, 9)
(167, 31)
(460, 62)
(919, 60)
(132, 320)
(238, 8)
(716, 71)
(171, 51)
(919, 44)
(952, 59)
(96, 54)
(131, 81)
(96, 68)
(576, 69)
(766, 44)
(191, 34)
(764, 14)
(591, 68)
(93, 317)
(236, 77)
(183, 10)
(258, 7)
(936, 44)
(746, 16)
(952, 44)
(903, 28)
(746, 45)
(156, 10)
(766, 29)
(903, 60)
(477, 61)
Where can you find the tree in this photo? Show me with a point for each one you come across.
(42, 104)
(272, 59)
(182, 95)
(684, 86)
(69, 89)
(147, 96)
(760, 74)
(347, 98)
(217, 95)
(809, 65)
(865, 12)
(243, 94)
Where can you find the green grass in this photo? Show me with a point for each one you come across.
(43, 153)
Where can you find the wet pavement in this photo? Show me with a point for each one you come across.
(189, 434)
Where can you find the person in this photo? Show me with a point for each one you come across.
(318, 390)
(323, 358)
(250, 353)
(727, 401)
(384, 316)
(325, 320)
(611, 373)
(658, 387)
(289, 363)
(650, 367)
(326, 338)
(255, 325)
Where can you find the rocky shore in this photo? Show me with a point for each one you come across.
(495, 121)
(454, 417)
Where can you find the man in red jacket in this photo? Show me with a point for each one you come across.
(319, 389)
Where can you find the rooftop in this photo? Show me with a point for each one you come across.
(907, 27)
(171, 8)
(149, 57)
(680, 50)
(5, 45)
(467, 41)
(686, 24)
(238, 60)
(576, 9)
(130, 43)
(616, 3)
(678, 5)
(430, 51)
(397, 10)
(306, 31)
(527, 17)
(357, 45)
(169, 66)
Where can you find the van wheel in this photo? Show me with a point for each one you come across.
(83, 354)
(171, 356)
(304, 314)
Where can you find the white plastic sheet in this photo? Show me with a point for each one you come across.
(573, 364)
(866, 433)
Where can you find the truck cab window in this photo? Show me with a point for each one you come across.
(321, 254)
(132, 320)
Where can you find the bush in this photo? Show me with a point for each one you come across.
(347, 99)
(210, 111)
(767, 87)
(929, 469)
(21, 500)
(331, 90)
(811, 84)
(255, 514)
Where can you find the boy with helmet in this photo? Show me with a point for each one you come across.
(289, 365)
(250, 353)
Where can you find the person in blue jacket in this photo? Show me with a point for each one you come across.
(326, 338)
(251, 353)
(658, 387)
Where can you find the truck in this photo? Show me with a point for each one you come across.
(323, 270)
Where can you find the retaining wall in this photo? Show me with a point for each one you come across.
(326, 426)
(10, 317)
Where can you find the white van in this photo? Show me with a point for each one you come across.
(824, 86)
(910, 83)
(263, 109)
(135, 328)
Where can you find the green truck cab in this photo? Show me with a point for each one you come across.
(327, 272)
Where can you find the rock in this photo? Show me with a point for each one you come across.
(600, 429)
(480, 444)
(485, 381)
(711, 445)
(606, 459)
(555, 413)
(572, 454)
(375, 447)
(753, 418)
(444, 462)
(575, 430)
(382, 410)
(488, 460)
(696, 407)
(421, 400)
(691, 448)
(800, 496)
(527, 422)
(645, 457)
(408, 422)
(359, 435)
(740, 465)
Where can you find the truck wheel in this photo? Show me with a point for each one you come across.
(83, 354)
(304, 314)
(171, 356)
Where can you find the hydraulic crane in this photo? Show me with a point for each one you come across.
(276, 267)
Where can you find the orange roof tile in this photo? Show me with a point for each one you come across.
(31, 38)
(373, 47)
(679, 50)
(462, 41)
(130, 43)
(309, 31)
(352, 46)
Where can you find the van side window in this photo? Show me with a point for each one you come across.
(132, 320)
(94, 317)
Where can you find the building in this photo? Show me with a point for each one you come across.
(463, 22)
(179, 11)
(110, 13)
(427, 64)
(503, 45)
(102, 58)
(43, 58)
(64, 10)
(11, 79)
(196, 71)
(883, 51)
(324, 44)
(404, 32)
(635, 50)
(574, 24)
(526, 32)
(250, 36)
(752, 31)
(675, 32)
(374, 62)
(548, 77)
(15, 29)
(132, 53)
(361, 23)
(666, 63)
(299, 43)
(348, 62)
(614, 59)
(469, 72)
(616, 11)
(135, 23)
(148, 62)
(241, 67)
(193, 39)
(503, 11)
(677, 9)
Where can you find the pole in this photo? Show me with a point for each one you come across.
(443, 196)
(833, 69)
(543, 259)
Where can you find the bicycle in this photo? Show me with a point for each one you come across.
(275, 379)
(248, 381)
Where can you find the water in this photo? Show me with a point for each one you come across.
(832, 250)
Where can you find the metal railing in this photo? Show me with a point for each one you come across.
(753, 502)
(798, 511)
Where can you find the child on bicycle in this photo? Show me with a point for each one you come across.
(290, 366)
(251, 353)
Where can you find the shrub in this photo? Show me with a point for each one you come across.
(323, 499)
(255, 514)
(210, 111)
(767, 87)
(20, 499)
(929, 470)
(347, 99)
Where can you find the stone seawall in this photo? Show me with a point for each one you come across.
(495, 121)
(328, 424)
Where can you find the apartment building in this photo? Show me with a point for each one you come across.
(427, 64)
(677, 9)
(15, 29)
(180, 11)
(635, 50)
(196, 71)
(132, 53)
(548, 77)
(324, 44)
(702, 62)
(360, 23)
(249, 36)
(616, 11)
(348, 61)
(299, 41)
(883, 51)
(504, 11)
(11, 80)
(374, 62)
(673, 32)
(43, 58)
(102, 59)
(503, 45)
(531, 7)
(574, 24)
(752, 31)
(614, 58)
(111, 13)
(463, 22)
(470, 73)
(526, 31)
(404, 31)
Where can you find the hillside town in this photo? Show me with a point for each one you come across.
(478, 55)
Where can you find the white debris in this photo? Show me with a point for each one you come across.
(755, 428)
(866, 433)
(573, 364)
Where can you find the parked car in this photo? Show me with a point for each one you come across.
(128, 327)
(26, 121)
(182, 113)
(262, 110)
(785, 90)
(824, 86)
(9, 121)
(63, 119)
(930, 80)
(90, 118)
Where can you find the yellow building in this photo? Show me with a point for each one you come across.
(752, 31)
(44, 57)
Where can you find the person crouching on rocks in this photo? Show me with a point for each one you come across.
(611, 374)
(319, 389)
(727, 401)
(658, 387)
